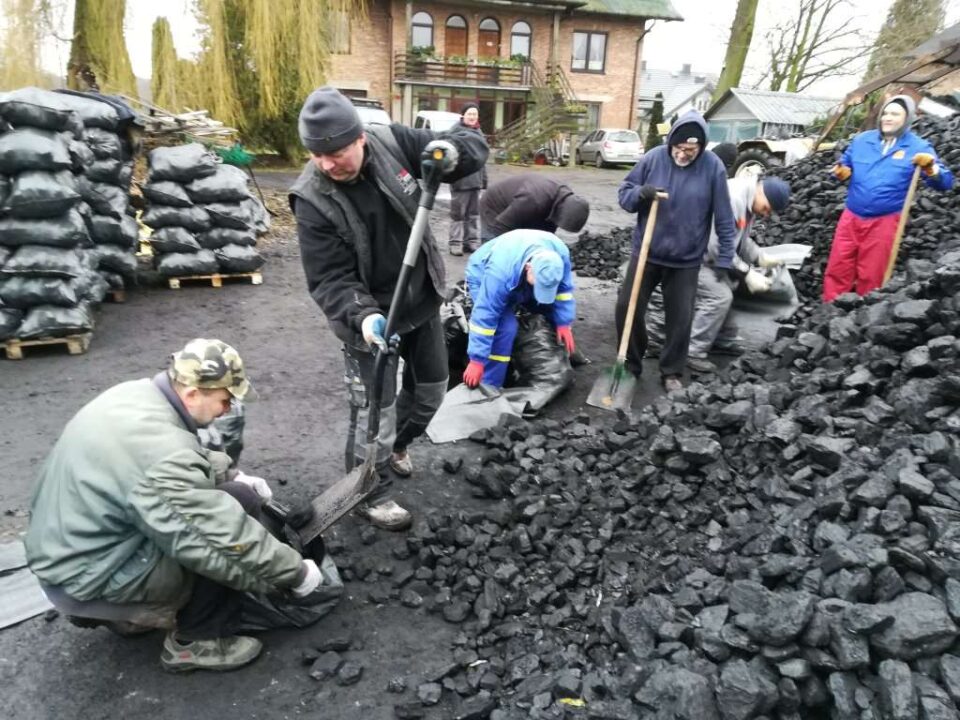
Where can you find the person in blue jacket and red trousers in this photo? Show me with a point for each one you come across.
(528, 268)
(878, 164)
(699, 200)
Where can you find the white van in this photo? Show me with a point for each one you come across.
(436, 120)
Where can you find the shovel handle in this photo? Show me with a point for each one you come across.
(901, 225)
(638, 277)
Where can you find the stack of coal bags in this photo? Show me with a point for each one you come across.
(104, 184)
(201, 212)
(48, 281)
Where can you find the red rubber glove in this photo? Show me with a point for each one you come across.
(473, 374)
(565, 336)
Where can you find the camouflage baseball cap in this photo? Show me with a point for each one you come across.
(211, 364)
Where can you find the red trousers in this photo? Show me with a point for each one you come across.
(859, 254)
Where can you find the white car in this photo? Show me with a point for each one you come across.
(436, 120)
(373, 115)
(610, 146)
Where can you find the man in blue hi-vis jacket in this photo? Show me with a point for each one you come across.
(528, 268)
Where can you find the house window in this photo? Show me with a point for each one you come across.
(455, 37)
(589, 51)
(421, 30)
(520, 39)
(338, 33)
(488, 38)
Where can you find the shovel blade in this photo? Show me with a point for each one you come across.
(613, 389)
(339, 499)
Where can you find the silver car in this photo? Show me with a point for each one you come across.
(610, 146)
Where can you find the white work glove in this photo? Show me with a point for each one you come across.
(311, 580)
(767, 261)
(258, 484)
(372, 329)
(757, 282)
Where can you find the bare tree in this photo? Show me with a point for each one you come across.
(741, 35)
(819, 41)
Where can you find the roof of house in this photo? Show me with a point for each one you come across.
(949, 37)
(780, 108)
(652, 9)
(676, 86)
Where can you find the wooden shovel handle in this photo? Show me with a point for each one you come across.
(902, 224)
(638, 276)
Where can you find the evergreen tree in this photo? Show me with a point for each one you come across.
(909, 24)
(98, 53)
(656, 117)
(261, 58)
(163, 81)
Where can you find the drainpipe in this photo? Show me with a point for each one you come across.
(635, 91)
(407, 101)
(553, 46)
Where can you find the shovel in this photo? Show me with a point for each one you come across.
(902, 224)
(345, 494)
(614, 388)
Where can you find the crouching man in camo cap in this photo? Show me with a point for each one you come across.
(135, 525)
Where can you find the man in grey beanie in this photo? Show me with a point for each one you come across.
(354, 203)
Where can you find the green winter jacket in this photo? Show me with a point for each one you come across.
(126, 509)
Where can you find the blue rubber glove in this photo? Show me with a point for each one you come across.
(372, 328)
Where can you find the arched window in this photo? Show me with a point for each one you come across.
(520, 38)
(489, 38)
(421, 30)
(455, 36)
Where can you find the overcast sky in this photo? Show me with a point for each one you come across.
(699, 40)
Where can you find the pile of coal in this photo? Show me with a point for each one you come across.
(203, 216)
(818, 200)
(782, 540)
(601, 255)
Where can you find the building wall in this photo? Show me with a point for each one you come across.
(368, 67)
(375, 42)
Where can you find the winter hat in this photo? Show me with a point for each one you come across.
(570, 213)
(547, 273)
(688, 132)
(777, 192)
(328, 121)
(727, 152)
(907, 103)
(468, 106)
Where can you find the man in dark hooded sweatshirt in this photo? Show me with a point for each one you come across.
(530, 202)
(696, 182)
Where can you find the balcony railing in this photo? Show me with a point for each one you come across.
(466, 71)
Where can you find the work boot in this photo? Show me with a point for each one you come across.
(456, 249)
(472, 247)
(386, 516)
(401, 464)
(728, 347)
(671, 383)
(226, 653)
(701, 365)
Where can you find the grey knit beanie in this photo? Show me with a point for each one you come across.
(328, 121)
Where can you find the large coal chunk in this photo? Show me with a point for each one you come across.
(922, 627)
(679, 693)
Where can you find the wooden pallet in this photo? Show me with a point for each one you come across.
(216, 280)
(76, 345)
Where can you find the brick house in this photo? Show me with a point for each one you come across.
(505, 55)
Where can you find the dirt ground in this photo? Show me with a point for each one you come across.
(294, 437)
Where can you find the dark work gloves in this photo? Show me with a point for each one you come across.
(648, 192)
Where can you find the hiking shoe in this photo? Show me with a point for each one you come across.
(671, 383)
(227, 653)
(401, 464)
(456, 249)
(386, 516)
(701, 365)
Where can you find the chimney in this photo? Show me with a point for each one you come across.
(686, 69)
